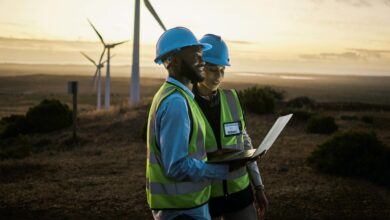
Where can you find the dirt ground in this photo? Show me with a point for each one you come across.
(103, 176)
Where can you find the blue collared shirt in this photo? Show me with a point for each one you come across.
(172, 128)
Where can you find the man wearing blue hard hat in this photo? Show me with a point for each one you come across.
(232, 198)
(178, 179)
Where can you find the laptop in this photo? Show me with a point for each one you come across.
(253, 154)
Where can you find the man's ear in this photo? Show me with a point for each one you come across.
(174, 61)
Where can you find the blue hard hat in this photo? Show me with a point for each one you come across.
(174, 39)
(219, 53)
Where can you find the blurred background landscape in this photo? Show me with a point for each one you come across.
(326, 61)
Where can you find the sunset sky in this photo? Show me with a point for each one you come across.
(296, 36)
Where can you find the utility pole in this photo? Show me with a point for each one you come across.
(72, 89)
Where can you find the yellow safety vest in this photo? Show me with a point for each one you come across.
(164, 192)
(231, 118)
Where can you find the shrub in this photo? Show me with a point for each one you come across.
(14, 125)
(349, 117)
(257, 100)
(301, 102)
(299, 114)
(49, 115)
(367, 119)
(321, 124)
(355, 154)
(277, 94)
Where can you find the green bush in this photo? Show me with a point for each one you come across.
(321, 125)
(301, 102)
(14, 125)
(257, 100)
(349, 117)
(277, 94)
(48, 116)
(367, 119)
(355, 154)
(299, 114)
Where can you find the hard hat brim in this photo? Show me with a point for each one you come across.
(215, 61)
(204, 48)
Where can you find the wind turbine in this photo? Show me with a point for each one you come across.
(108, 47)
(134, 84)
(98, 65)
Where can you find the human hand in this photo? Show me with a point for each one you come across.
(262, 203)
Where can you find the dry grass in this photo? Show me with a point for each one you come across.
(103, 177)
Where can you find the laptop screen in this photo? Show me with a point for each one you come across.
(273, 133)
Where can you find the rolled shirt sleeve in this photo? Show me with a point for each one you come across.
(173, 128)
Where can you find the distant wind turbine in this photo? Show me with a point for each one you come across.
(108, 47)
(134, 84)
(97, 75)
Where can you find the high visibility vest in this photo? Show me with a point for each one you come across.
(231, 127)
(164, 192)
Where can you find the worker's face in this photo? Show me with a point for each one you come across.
(213, 76)
(191, 63)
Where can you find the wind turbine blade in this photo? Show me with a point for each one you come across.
(151, 9)
(122, 42)
(110, 58)
(101, 56)
(90, 59)
(94, 78)
(97, 32)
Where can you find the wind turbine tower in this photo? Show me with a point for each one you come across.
(108, 80)
(134, 84)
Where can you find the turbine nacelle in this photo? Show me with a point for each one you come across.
(108, 47)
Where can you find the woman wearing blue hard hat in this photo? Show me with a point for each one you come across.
(231, 198)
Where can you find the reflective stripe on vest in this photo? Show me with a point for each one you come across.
(230, 112)
(163, 192)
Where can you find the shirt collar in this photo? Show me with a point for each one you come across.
(179, 84)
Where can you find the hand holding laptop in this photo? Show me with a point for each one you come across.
(249, 155)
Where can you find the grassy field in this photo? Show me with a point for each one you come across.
(103, 176)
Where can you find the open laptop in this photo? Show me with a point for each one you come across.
(252, 154)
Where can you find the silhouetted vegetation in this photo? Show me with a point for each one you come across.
(349, 117)
(48, 116)
(257, 100)
(301, 102)
(367, 119)
(14, 125)
(355, 154)
(276, 93)
(299, 114)
(321, 124)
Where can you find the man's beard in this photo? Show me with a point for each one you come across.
(189, 72)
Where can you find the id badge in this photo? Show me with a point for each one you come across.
(232, 128)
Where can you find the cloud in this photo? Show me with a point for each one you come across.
(239, 42)
(15, 24)
(358, 3)
(369, 53)
(330, 56)
(350, 54)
